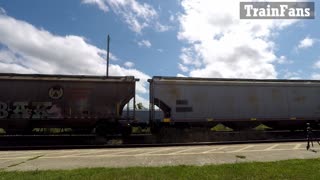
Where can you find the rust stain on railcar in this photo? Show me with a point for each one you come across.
(229, 100)
(200, 96)
(174, 92)
(253, 100)
(276, 94)
(300, 99)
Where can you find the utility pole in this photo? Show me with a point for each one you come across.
(108, 44)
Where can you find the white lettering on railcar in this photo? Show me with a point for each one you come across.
(20, 110)
(3, 110)
(40, 110)
(33, 110)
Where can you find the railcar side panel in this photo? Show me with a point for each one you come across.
(195, 100)
(62, 101)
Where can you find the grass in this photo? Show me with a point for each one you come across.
(220, 127)
(52, 130)
(262, 127)
(139, 130)
(135, 130)
(289, 169)
(46, 130)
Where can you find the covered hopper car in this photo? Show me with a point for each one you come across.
(82, 103)
(240, 104)
(89, 104)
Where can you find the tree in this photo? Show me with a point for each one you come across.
(140, 106)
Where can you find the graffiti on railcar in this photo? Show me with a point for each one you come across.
(29, 110)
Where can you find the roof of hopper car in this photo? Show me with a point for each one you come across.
(229, 80)
(60, 77)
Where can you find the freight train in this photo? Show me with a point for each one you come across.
(95, 104)
(82, 103)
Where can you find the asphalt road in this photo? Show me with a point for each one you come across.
(153, 156)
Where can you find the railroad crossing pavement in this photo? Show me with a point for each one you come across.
(154, 156)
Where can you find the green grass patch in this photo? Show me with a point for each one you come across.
(140, 130)
(289, 169)
(262, 127)
(52, 130)
(221, 127)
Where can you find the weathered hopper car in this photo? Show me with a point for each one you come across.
(82, 103)
(237, 103)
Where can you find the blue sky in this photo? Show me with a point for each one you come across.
(148, 38)
(73, 17)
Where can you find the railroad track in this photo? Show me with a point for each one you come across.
(12, 142)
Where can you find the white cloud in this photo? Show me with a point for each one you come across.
(162, 28)
(28, 49)
(100, 3)
(160, 50)
(2, 11)
(317, 64)
(141, 86)
(222, 45)
(9, 62)
(183, 68)
(136, 14)
(291, 75)
(172, 18)
(128, 64)
(144, 101)
(180, 75)
(189, 56)
(283, 60)
(315, 76)
(144, 43)
(306, 42)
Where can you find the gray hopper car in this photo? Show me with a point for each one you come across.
(237, 103)
(81, 103)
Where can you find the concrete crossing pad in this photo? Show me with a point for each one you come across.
(153, 156)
